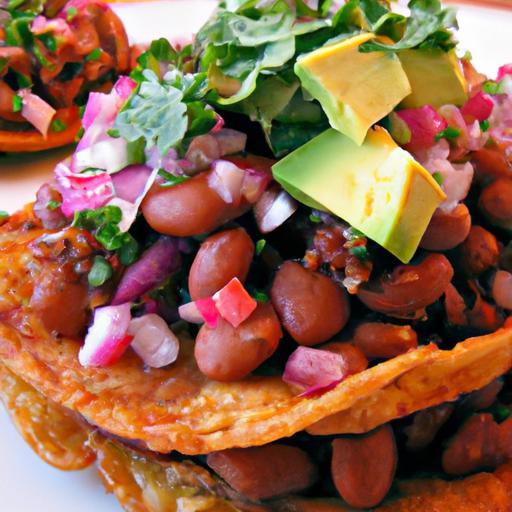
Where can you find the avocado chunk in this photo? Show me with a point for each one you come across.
(377, 187)
(435, 76)
(355, 89)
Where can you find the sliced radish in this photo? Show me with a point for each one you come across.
(107, 337)
(315, 370)
(153, 341)
(234, 303)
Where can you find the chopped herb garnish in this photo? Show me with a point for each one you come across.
(490, 87)
(260, 245)
(355, 234)
(484, 125)
(17, 104)
(100, 272)
(58, 126)
(4, 215)
(41, 58)
(53, 205)
(171, 179)
(500, 412)
(258, 295)
(94, 55)
(315, 218)
(449, 133)
(438, 177)
(49, 42)
(71, 13)
(111, 132)
(24, 81)
(360, 252)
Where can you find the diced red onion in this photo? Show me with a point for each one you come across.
(314, 369)
(110, 154)
(153, 341)
(36, 111)
(424, 124)
(233, 302)
(81, 191)
(478, 107)
(255, 183)
(200, 311)
(230, 141)
(57, 26)
(503, 71)
(273, 209)
(124, 87)
(153, 267)
(456, 182)
(502, 289)
(227, 180)
(107, 337)
(130, 182)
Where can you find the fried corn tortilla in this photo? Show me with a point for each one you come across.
(178, 408)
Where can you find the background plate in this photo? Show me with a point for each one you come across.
(26, 483)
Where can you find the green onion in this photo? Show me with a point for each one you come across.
(484, 125)
(23, 81)
(71, 13)
(438, 177)
(41, 58)
(258, 295)
(260, 245)
(112, 132)
(360, 252)
(94, 55)
(315, 218)
(490, 87)
(170, 179)
(49, 42)
(449, 133)
(58, 126)
(53, 205)
(17, 104)
(100, 272)
(355, 233)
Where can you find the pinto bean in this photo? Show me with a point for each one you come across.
(189, 208)
(385, 341)
(480, 251)
(353, 355)
(60, 302)
(222, 257)
(491, 164)
(227, 354)
(446, 230)
(482, 398)
(425, 426)
(495, 203)
(409, 287)
(310, 305)
(363, 467)
(264, 472)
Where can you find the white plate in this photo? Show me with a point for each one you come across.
(26, 483)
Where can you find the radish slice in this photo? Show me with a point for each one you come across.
(155, 265)
(107, 337)
(478, 107)
(81, 191)
(315, 370)
(227, 180)
(36, 111)
(131, 181)
(273, 209)
(234, 303)
(153, 341)
(424, 124)
(200, 311)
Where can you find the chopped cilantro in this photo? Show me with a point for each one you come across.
(58, 126)
(484, 125)
(17, 104)
(355, 233)
(315, 218)
(24, 81)
(500, 412)
(258, 295)
(3, 215)
(111, 132)
(260, 245)
(94, 55)
(71, 13)
(53, 205)
(49, 42)
(360, 252)
(171, 179)
(42, 58)
(449, 133)
(100, 272)
(438, 177)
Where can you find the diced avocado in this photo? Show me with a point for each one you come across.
(355, 89)
(377, 188)
(435, 76)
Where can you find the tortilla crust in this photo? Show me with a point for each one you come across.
(178, 408)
